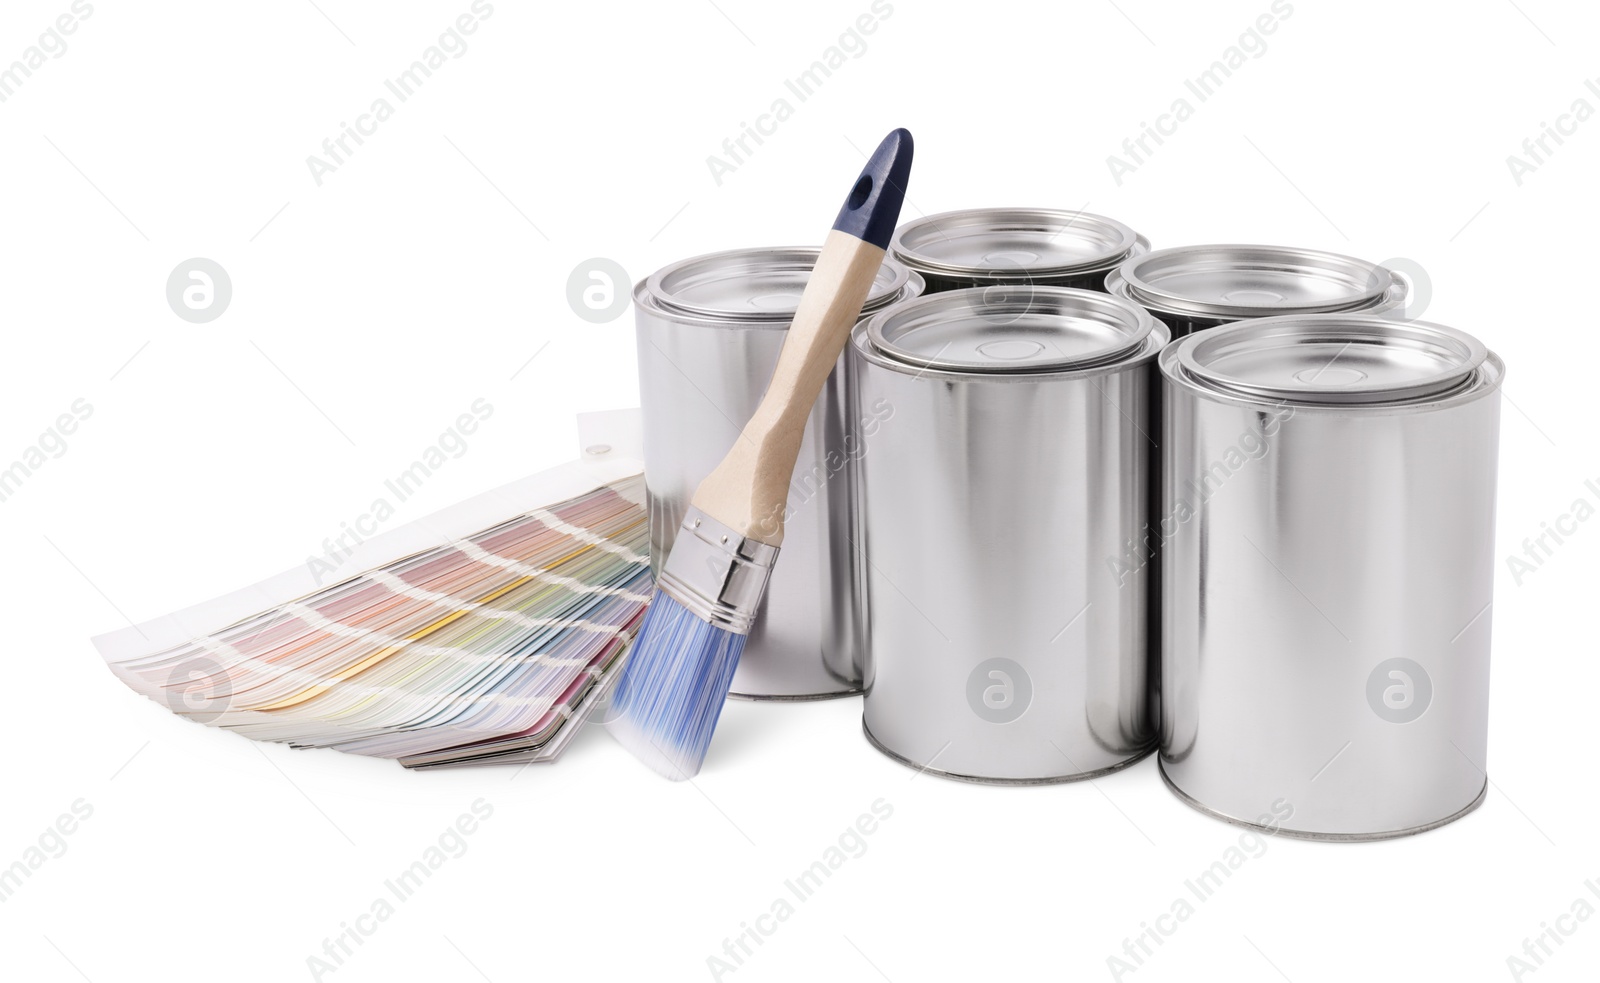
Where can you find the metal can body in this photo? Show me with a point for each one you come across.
(1003, 646)
(709, 332)
(988, 247)
(1193, 288)
(1328, 573)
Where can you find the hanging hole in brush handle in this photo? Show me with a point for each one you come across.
(872, 210)
(858, 194)
(749, 490)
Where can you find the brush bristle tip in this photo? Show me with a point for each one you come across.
(673, 687)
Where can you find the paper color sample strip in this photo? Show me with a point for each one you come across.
(494, 646)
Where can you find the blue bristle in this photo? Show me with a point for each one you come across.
(672, 688)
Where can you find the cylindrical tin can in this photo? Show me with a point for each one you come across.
(1191, 288)
(709, 331)
(982, 247)
(1013, 463)
(1328, 535)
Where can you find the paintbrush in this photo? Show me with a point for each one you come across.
(677, 675)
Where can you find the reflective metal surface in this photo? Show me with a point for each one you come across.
(1334, 359)
(1328, 568)
(709, 331)
(755, 284)
(1192, 288)
(986, 246)
(719, 575)
(1043, 240)
(1252, 281)
(1018, 330)
(1007, 642)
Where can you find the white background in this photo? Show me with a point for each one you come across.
(370, 311)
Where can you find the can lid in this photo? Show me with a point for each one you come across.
(1252, 281)
(1012, 242)
(1332, 358)
(1020, 328)
(761, 284)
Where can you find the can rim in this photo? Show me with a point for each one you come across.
(1396, 298)
(1197, 354)
(1141, 246)
(986, 303)
(1365, 282)
(909, 239)
(664, 285)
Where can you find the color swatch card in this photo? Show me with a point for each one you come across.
(492, 644)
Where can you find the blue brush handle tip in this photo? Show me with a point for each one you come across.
(873, 208)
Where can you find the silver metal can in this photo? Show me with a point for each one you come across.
(709, 331)
(1015, 456)
(1191, 288)
(981, 247)
(1327, 554)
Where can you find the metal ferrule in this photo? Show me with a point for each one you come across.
(717, 573)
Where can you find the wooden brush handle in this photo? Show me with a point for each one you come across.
(749, 490)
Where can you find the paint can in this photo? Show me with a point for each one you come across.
(1327, 553)
(1191, 288)
(709, 330)
(981, 247)
(1014, 459)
